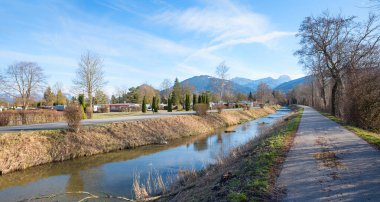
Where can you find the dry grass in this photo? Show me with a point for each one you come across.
(247, 174)
(26, 149)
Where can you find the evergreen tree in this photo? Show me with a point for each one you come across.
(156, 105)
(49, 97)
(187, 102)
(61, 99)
(177, 92)
(170, 107)
(250, 96)
(82, 100)
(153, 106)
(199, 98)
(143, 108)
(113, 99)
(194, 100)
(207, 100)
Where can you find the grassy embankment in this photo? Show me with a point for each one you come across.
(371, 137)
(26, 149)
(248, 174)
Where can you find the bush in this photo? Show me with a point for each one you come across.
(22, 117)
(4, 119)
(201, 109)
(220, 108)
(104, 109)
(74, 114)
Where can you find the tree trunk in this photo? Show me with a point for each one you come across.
(333, 98)
(90, 110)
(323, 94)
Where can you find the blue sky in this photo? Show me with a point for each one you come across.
(148, 41)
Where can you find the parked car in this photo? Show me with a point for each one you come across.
(60, 107)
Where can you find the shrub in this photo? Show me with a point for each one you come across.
(201, 109)
(104, 109)
(84, 116)
(13, 117)
(74, 114)
(4, 119)
(220, 107)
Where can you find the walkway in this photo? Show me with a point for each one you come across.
(329, 163)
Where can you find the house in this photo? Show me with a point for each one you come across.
(123, 107)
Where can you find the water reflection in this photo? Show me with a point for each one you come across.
(113, 172)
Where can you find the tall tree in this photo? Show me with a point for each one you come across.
(222, 74)
(113, 99)
(176, 94)
(82, 100)
(22, 80)
(187, 102)
(153, 104)
(49, 97)
(327, 37)
(156, 104)
(90, 75)
(143, 107)
(165, 89)
(264, 93)
(100, 97)
(250, 96)
(194, 100)
(170, 104)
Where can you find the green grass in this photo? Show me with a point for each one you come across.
(370, 137)
(256, 174)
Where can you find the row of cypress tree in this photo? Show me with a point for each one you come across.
(202, 98)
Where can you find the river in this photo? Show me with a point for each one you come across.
(113, 173)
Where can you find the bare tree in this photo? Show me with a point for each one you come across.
(222, 74)
(328, 37)
(343, 55)
(264, 93)
(22, 80)
(90, 75)
(165, 88)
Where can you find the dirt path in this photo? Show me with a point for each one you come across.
(329, 163)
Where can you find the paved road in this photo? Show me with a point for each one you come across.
(354, 175)
(62, 125)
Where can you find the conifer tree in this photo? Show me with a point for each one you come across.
(156, 104)
(170, 104)
(194, 100)
(187, 102)
(153, 104)
(143, 108)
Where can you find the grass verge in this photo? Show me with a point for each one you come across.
(248, 174)
(371, 137)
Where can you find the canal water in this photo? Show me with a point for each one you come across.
(114, 173)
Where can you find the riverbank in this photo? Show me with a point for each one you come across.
(248, 174)
(26, 149)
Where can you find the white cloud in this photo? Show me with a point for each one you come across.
(221, 21)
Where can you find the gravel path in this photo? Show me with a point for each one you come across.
(329, 163)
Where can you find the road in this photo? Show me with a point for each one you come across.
(63, 125)
(329, 163)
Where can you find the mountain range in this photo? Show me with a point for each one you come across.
(242, 85)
